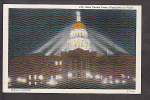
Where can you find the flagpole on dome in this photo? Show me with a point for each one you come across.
(78, 16)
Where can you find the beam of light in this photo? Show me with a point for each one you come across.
(106, 40)
(55, 38)
(57, 45)
(95, 48)
(50, 42)
(100, 45)
(62, 48)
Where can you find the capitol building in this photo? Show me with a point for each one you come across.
(79, 65)
(78, 36)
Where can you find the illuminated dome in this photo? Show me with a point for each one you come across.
(78, 36)
(78, 24)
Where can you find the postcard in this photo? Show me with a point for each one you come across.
(72, 49)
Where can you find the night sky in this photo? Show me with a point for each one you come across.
(29, 29)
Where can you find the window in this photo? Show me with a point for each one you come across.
(56, 62)
(29, 77)
(60, 62)
(35, 77)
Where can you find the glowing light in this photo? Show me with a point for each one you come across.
(128, 77)
(29, 77)
(23, 80)
(117, 81)
(41, 77)
(35, 77)
(29, 83)
(35, 83)
(91, 76)
(78, 16)
(19, 79)
(9, 79)
(110, 77)
(104, 81)
(101, 45)
(123, 81)
(111, 82)
(52, 81)
(50, 42)
(88, 75)
(101, 77)
(58, 77)
(123, 76)
(56, 62)
(51, 77)
(106, 40)
(97, 76)
(57, 45)
(70, 75)
(60, 62)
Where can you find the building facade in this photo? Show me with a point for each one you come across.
(78, 36)
(78, 64)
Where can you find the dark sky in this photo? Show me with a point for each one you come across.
(29, 29)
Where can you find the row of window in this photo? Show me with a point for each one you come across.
(78, 34)
(78, 43)
(58, 62)
(35, 77)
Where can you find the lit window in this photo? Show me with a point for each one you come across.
(35, 77)
(60, 62)
(29, 83)
(58, 77)
(56, 62)
(70, 75)
(117, 81)
(29, 77)
(35, 83)
(24, 80)
(41, 77)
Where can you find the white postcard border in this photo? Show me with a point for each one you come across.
(102, 91)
